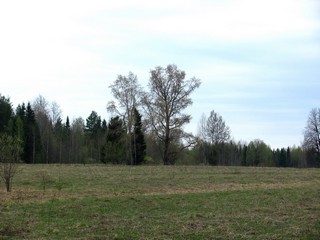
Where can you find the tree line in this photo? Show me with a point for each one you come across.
(146, 126)
(46, 138)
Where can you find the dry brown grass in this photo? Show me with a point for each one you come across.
(100, 181)
(158, 202)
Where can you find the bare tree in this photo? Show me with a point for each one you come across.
(202, 127)
(312, 132)
(77, 140)
(56, 112)
(41, 110)
(10, 150)
(201, 137)
(40, 106)
(126, 91)
(212, 134)
(169, 95)
(216, 130)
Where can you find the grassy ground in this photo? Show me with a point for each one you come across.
(159, 202)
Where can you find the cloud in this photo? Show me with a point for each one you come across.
(258, 60)
(246, 20)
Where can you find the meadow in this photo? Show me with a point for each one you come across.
(161, 202)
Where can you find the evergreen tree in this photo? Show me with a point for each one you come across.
(21, 111)
(283, 158)
(78, 146)
(32, 145)
(67, 140)
(114, 150)
(104, 126)
(58, 131)
(19, 125)
(93, 124)
(244, 156)
(67, 123)
(6, 114)
(138, 141)
(94, 135)
(288, 157)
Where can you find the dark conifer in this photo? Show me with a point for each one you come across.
(138, 141)
(6, 114)
(32, 145)
(114, 149)
(67, 123)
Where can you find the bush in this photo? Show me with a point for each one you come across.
(148, 160)
(10, 151)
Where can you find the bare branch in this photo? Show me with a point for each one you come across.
(169, 95)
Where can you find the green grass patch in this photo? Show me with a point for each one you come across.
(120, 202)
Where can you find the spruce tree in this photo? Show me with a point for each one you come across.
(114, 150)
(32, 145)
(6, 114)
(138, 141)
(19, 123)
(94, 135)
(67, 139)
(104, 126)
(67, 123)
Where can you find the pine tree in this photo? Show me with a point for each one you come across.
(138, 141)
(93, 124)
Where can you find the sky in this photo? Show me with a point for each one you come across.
(258, 61)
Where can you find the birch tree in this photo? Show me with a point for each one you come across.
(126, 91)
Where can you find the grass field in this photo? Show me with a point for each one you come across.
(159, 202)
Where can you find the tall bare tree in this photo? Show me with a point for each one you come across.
(40, 107)
(213, 133)
(202, 125)
(78, 146)
(56, 112)
(126, 91)
(216, 130)
(169, 94)
(42, 115)
(311, 142)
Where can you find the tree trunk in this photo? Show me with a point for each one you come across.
(166, 152)
(34, 149)
(7, 183)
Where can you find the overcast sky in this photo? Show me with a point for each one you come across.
(259, 61)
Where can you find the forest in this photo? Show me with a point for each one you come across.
(146, 127)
